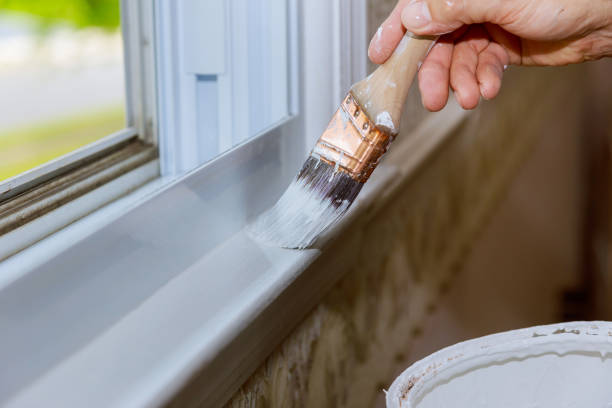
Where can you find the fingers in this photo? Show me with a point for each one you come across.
(435, 17)
(434, 76)
(465, 59)
(511, 43)
(388, 35)
(464, 64)
(490, 70)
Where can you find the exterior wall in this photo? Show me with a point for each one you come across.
(485, 238)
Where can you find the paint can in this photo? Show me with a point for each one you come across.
(561, 365)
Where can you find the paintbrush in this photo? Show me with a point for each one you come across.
(347, 152)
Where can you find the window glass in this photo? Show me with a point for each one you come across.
(268, 65)
(61, 78)
(248, 92)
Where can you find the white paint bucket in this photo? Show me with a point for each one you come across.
(562, 365)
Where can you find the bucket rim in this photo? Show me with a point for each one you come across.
(560, 338)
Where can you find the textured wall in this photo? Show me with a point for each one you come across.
(484, 238)
(376, 320)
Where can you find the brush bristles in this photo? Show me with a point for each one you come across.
(315, 200)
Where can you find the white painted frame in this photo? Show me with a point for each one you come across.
(137, 23)
(23, 181)
(195, 43)
(179, 292)
(141, 118)
(140, 97)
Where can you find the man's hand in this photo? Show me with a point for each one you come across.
(480, 38)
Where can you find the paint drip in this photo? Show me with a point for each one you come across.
(384, 120)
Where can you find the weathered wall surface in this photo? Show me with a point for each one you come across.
(485, 238)
(389, 310)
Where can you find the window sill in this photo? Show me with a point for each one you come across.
(56, 194)
(131, 333)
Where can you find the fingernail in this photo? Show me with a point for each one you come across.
(374, 49)
(379, 32)
(416, 15)
(483, 92)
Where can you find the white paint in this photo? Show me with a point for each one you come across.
(565, 365)
(202, 21)
(337, 166)
(177, 246)
(151, 236)
(297, 219)
(32, 232)
(346, 118)
(384, 119)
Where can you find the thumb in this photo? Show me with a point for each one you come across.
(436, 17)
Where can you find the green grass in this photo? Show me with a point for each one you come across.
(79, 13)
(25, 148)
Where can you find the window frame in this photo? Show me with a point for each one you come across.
(180, 146)
(154, 231)
(140, 128)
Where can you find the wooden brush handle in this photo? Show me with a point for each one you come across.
(383, 93)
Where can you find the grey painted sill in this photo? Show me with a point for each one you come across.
(130, 334)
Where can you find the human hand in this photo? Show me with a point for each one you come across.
(480, 38)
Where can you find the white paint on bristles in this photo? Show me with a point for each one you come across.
(337, 166)
(297, 219)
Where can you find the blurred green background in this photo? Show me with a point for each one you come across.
(79, 13)
(61, 78)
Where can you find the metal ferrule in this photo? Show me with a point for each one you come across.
(352, 143)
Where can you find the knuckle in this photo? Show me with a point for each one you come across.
(450, 8)
(448, 12)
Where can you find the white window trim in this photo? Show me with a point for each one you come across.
(217, 314)
(23, 181)
(140, 87)
(178, 34)
(137, 18)
(141, 121)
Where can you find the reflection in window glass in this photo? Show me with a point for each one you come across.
(61, 78)
(251, 93)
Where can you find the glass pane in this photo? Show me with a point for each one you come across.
(251, 94)
(61, 78)
(268, 65)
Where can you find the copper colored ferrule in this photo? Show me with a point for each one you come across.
(352, 142)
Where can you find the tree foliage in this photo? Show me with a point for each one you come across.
(78, 13)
